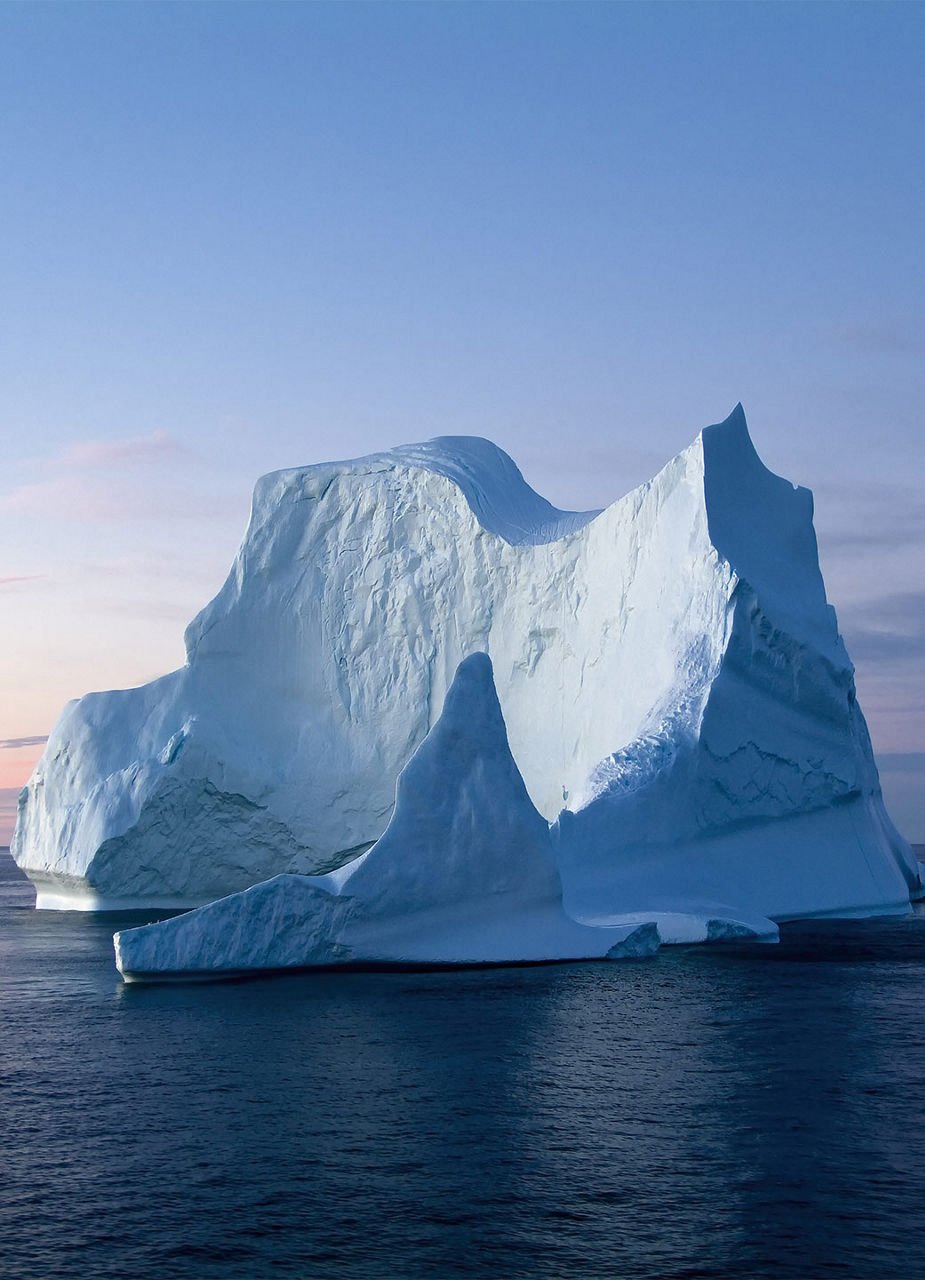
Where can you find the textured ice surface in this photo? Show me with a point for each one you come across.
(759, 790)
(464, 874)
(669, 671)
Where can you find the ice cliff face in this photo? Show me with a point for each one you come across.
(668, 669)
(464, 874)
(762, 791)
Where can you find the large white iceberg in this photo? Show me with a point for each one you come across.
(464, 874)
(676, 694)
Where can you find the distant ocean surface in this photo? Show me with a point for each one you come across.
(747, 1112)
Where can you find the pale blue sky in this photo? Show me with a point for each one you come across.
(244, 236)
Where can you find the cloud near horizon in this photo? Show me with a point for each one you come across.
(16, 744)
(868, 517)
(901, 762)
(886, 628)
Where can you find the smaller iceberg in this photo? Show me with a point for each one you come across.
(464, 874)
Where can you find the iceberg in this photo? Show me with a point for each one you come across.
(464, 874)
(675, 693)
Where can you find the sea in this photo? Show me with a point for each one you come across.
(735, 1111)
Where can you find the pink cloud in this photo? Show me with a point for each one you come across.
(88, 481)
(95, 453)
(71, 496)
(12, 578)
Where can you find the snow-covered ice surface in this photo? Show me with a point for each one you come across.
(464, 874)
(669, 671)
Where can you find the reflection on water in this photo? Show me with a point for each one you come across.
(707, 1113)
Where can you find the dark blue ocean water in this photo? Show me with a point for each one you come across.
(730, 1112)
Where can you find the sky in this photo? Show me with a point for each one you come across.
(239, 237)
